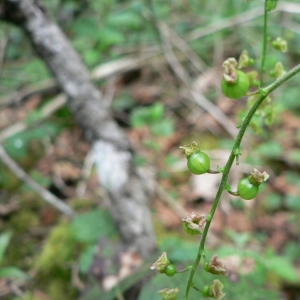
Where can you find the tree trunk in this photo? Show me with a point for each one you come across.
(118, 175)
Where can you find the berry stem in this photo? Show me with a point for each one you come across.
(210, 171)
(233, 193)
(223, 184)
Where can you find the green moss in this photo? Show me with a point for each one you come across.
(8, 181)
(31, 201)
(82, 203)
(23, 221)
(58, 249)
(28, 296)
(60, 290)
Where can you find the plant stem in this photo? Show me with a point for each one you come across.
(264, 50)
(264, 93)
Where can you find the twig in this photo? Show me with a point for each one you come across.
(6, 288)
(214, 111)
(223, 24)
(264, 49)
(3, 44)
(23, 176)
(110, 91)
(176, 207)
(76, 279)
(125, 64)
(195, 96)
(187, 51)
(119, 66)
(85, 173)
(289, 7)
(16, 289)
(239, 19)
(100, 72)
(45, 112)
(17, 96)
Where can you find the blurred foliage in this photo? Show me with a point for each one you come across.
(9, 271)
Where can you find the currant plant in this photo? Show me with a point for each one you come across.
(235, 84)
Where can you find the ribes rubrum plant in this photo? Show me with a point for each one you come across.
(235, 84)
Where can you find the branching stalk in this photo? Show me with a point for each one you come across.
(264, 93)
(264, 50)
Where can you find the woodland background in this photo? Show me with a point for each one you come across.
(158, 67)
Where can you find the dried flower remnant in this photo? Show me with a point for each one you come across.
(194, 223)
(169, 294)
(161, 263)
(216, 266)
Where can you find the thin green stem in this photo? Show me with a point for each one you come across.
(264, 50)
(264, 93)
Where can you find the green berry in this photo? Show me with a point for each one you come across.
(271, 5)
(206, 266)
(247, 190)
(190, 230)
(206, 291)
(170, 270)
(236, 90)
(198, 163)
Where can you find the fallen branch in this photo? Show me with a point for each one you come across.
(115, 166)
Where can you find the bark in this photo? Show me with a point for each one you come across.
(129, 198)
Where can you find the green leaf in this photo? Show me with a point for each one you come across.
(142, 116)
(86, 259)
(159, 282)
(164, 127)
(179, 250)
(270, 149)
(91, 57)
(17, 145)
(171, 160)
(89, 227)
(12, 272)
(238, 204)
(123, 102)
(4, 241)
(292, 202)
(33, 117)
(282, 266)
(39, 178)
(86, 27)
(291, 250)
(35, 70)
(273, 201)
(240, 239)
(291, 101)
(125, 20)
(294, 155)
(110, 37)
